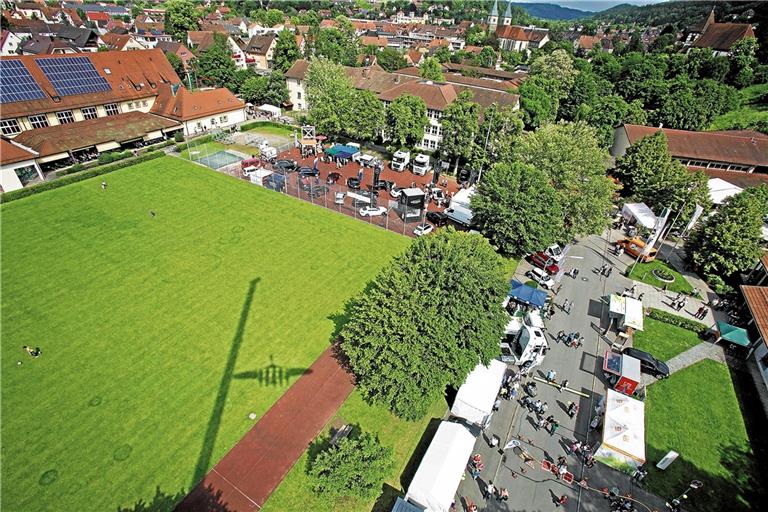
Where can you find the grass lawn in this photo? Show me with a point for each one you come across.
(159, 335)
(643, 272)
(510, 266)
(751, 110)
(282, 131)
(696, 413)
(664, 340)
(295, 492)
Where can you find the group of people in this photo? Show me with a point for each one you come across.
(606, 270)
(491, 491)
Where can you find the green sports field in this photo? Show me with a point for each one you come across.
(159, 334)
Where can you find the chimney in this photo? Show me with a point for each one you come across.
(366, 72)
(753, 140)
(397, 79)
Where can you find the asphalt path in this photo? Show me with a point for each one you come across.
(532, 488)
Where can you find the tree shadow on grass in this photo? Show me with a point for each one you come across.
(733, 493)
(418, 453)
(214, 422)
(209, 501)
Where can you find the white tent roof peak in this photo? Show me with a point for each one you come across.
(475, 398)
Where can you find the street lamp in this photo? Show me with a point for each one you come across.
(674, 506)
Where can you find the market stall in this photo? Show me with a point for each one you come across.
(434, 485)
(627, 311)
(523, 294)
(623, 443)
(622, 372)
(639, 213)
(475, 398)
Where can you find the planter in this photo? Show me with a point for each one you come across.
(663, 275)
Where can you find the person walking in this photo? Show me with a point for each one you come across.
(563, 384)
(562, 501)
(542, 423)
(503, 494)
(553, 426)
(103, 185)
(543, 409)
(537, 405)
(640, 297)
(610, 271)
(701, 312)
(490, 490)
(551, 375)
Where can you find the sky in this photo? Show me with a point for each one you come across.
(591, 5)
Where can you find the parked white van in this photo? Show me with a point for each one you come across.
(420, 164)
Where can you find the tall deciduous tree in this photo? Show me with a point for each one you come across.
(556, 67)
(608, 111)
(390, 59)
(286, 51)
(650, 175)
(215, 65)
(538, 101)
(356, 466)
(731, 239)
(487, 57)
(329, 96)
(430, 69)
(369, 116)
(176, 63)
(517, 208)
(575, 163)
(460, 128)
(406, 120)
(180, 16)
(335, 45)
(426, 321)
(497, 135)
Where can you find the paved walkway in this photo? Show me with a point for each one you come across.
(693, 355)
(254, 467)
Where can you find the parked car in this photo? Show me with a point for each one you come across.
(541, 277)
(308, 171)
(635, 246)
(275, 182)
(423, 229)
(541, 260)
(372, 211)
(353, 183)
(332, 178)
(555, 252)
(317, 191)
(648, 363)
(395, 191)
(437, 218)
(384, 185)
(286, 165)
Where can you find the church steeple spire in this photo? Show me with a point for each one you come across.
(493, 16)
(507, 20)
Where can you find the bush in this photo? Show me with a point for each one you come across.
(719, 286)
(74, 178)
(113, 156)
(679, 321)
(356, 466)
(179, 136)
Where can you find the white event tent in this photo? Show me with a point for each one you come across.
(640, 212)
(623, 445)
(434, 485)
(628, 310)
(475, 398)
(271, 110)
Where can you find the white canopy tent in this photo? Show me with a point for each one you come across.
(271, 109)
(623, 445)
(629, 311)
(475, 398)
(640, 212)
(720, 190)
(434, 485)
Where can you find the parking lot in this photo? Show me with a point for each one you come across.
(314, 189)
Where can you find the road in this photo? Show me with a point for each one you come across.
(535, 489)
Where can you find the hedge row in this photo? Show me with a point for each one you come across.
(679, 321)
(74, 178)
(255, 124)
(78, 167)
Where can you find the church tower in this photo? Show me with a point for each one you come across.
(507, 20)
(493, 17)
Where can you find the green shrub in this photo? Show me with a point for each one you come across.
(74, 178)
(685, 323)
(256, 124)
(179, 136)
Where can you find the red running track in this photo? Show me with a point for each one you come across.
(247, 475)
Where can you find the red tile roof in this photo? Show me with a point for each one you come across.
(131, 75)
(185, 105)
(721, 36)
(116, 41)
(379, 41)
(98, 16)
(12, 152)
(757, 301)
(709, 146)
(201, 39)
(120, 128)
(437, 96)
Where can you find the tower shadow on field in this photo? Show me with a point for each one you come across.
(214, 422)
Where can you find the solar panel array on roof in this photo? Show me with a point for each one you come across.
(73, 75)
(16, 84)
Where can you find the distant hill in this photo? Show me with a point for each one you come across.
(681, 13)
(552, 11)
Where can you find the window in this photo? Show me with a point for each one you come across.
(26, 174)
(65, 117)
(10, 127)
(223, 119)
(39, 121)
(144, 103)
(130, 106)
(298, 95)
(111, 109)
(89, 113)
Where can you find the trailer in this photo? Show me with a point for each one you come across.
(524, 342)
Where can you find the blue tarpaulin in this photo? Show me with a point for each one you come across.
(344, 154)
(338, 149)
(525, 294)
